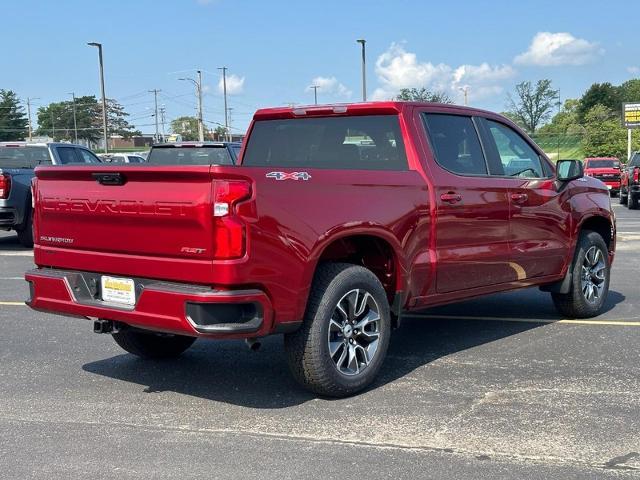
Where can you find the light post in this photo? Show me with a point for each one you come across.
(198, 85)
(224, 90)
(362, 42)
(465, 90)
(104, 98)
(75, 123)
(315, 92)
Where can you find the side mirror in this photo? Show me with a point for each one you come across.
(567, 170)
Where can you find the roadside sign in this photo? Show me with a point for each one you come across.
(631, 115)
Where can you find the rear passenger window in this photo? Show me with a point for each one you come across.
(518, 158)
(455, 143)
(67, 155)
(371, 142)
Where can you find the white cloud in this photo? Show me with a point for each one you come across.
(235, 84)
(633, 70)
(330, 86)
(553, 49)
(396, 69)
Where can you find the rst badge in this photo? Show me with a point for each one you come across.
(289, 176)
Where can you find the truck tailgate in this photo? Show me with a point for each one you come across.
(141, 220)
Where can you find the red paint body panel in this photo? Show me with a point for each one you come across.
(159, 225)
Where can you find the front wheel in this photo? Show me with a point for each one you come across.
(147, 344)
(343, 340)
(590, 279)
(622, 198)
(632, 200)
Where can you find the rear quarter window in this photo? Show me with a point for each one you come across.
(372, 142)
(24, 157)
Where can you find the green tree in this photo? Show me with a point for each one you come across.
(604, 135)
(56, 119)
(13, 120)
(599, 94)
(630, 91)
(187, 127)
(117, 120)
(422, 95)
(533, 104)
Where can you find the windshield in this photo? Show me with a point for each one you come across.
(603, 164)
(23, 157)
(189, 156)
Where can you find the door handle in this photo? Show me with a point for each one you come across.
(519, 197)
(451, 197)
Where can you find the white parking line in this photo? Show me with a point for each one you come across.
(621, 323)
(26, 253)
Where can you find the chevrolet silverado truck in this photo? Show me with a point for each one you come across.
(337, 220)
(630, 183)
(17, 161)
(605, 169)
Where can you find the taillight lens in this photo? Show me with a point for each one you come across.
(230, 231)
(636, 174)
(5, 186)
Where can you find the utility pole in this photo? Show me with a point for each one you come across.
(224, 91)
(104, 98)
(315, 92)
(465, 90)
(362, 41)
(198, 85)
(155, 98)
(230, 123)
(558, 133)
(162, 111)
(75, 123)
(29, 100)
(53, 126)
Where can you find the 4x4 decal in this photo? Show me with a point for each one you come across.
(289, 176)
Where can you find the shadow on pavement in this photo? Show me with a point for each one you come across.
(9, 243)
(228, 372)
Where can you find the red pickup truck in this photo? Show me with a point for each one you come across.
(605, 169)
(338, 219)
(630, 183)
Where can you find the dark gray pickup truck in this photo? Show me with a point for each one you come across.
(17, 161)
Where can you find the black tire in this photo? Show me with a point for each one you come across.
(148, 344)
(575, 304)
(632, 201)
(622, 198)
(308, 350)
(25, 233)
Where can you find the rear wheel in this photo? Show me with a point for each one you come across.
(25, 233)
(632, 201)
(590, 279)
(622, 197)
(146, 344)
(343, 340)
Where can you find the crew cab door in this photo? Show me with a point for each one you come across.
(472, 224)
(539, 225)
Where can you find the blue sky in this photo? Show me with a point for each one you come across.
(275, 49)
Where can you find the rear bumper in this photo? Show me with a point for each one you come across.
(613, 185)
(160, 306)
(8, 217)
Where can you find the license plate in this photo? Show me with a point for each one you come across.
(118, 290)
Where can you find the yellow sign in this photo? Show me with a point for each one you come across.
(631, 115)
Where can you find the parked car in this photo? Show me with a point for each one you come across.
(195, 153)
(17, 161)
(605, 169)
(312, 238)
(630, 183)
(121, 158)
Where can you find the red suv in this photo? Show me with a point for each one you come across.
(337, 220)
(605, 169)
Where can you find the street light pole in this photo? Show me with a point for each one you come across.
(29, 100)
(224, 90)
(162, 112)
(362, 41)
(315, 92)
(198, 85)
(75, 123)
(465, 90)
(155, 99)
(104, 98)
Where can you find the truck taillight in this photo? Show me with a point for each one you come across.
(5, 186)
(636, 174)
(230, 231)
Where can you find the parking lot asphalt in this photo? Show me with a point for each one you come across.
(499, 387)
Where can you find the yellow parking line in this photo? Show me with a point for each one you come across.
(621, 323)
(13, 304)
